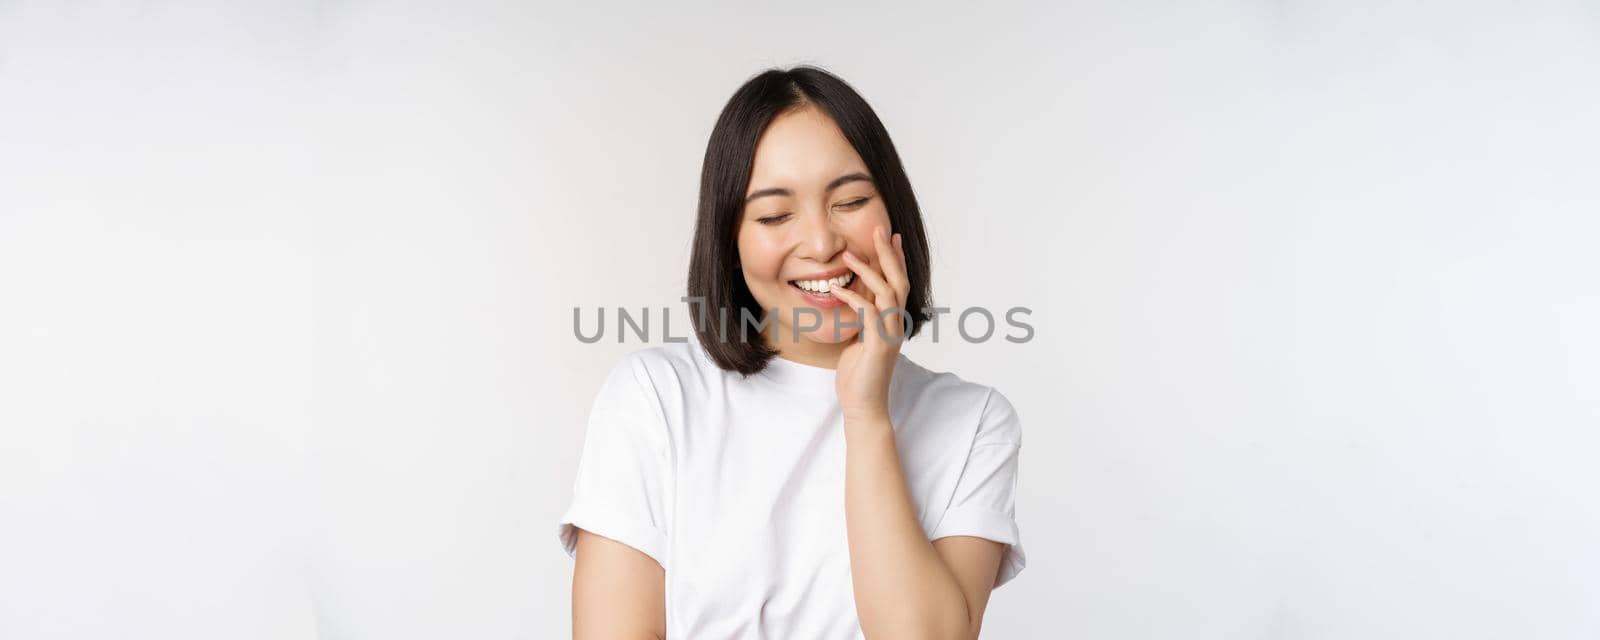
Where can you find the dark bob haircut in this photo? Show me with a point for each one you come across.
(717, 292)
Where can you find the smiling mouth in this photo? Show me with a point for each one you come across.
(824, 288)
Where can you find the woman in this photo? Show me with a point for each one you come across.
(788, 473)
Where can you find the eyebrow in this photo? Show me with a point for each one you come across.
(837, 182)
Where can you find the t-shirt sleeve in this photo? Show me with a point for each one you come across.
(622, 471)
(984, 503)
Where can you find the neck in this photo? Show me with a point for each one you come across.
(803, 351)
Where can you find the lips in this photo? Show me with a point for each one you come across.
(817, 291)
(822, 286)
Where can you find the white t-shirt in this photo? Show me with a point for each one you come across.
(736, 485)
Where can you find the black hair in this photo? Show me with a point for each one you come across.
(716, 284)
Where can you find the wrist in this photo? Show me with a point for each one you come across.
(866, 415)
(867, 419)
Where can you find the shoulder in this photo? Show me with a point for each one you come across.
(643, 396)
(949, 394)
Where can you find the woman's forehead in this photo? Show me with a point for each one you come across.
(802, 150)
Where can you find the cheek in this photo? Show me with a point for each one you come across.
(759, 259)
(859, 239)
(861, 227)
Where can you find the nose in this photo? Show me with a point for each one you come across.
(818, 240)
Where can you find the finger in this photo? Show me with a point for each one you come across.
(900, 249)
(883, 294)
(894, 324)
(866, 312)
(893, 263)
(887, 323)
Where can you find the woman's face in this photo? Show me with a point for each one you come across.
(810, 200)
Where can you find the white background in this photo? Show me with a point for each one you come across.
(286, 299)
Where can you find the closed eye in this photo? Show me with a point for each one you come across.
(855, 204)
(773, 219)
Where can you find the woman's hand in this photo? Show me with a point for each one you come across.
(865, 367)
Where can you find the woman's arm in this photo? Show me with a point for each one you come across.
(618, 592)
(906, 586)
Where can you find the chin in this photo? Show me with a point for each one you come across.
(825, 335)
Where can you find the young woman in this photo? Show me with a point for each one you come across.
(788, 473)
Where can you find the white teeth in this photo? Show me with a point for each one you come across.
(824, 286)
